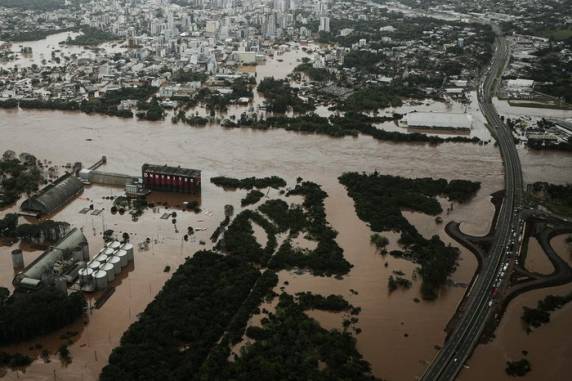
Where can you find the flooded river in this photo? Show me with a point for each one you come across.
(399, 334)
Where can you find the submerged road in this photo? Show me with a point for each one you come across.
(480, 299)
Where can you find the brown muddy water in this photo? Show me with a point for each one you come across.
(385, 318)
(549, 347)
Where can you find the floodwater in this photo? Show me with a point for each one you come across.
(549, 347)
(536, 260)
(50, 47)
(385, 319)
(235, 152)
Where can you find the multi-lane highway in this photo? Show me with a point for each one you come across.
(480, 303)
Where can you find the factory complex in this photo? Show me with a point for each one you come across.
(67, 264)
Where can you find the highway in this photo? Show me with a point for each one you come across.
(480, 299)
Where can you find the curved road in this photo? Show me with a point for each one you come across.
(461, 342)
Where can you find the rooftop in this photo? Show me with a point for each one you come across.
(439, 119)
(167, 170)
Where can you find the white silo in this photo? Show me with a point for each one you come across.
(110, 270)
(122, 255)
(100, 280)
(17, 259)
(109, 251)
(85, 276)
(102, 258)
(94, 265)
(129, 249)
(116, 262)
(115, 245)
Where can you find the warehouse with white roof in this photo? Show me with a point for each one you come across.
(439, 120)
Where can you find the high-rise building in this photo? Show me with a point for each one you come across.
(324, 24)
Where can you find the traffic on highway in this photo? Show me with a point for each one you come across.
(506, 242)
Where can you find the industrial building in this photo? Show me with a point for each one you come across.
(60, 262)
(439, 120)
(54, 197)
(171, 179)
(89, 176)
(105, 266)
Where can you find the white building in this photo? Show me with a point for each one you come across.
(324, 24)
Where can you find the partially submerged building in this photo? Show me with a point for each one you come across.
(62, 261)
(171, 179)
(54, 197)
(439, 121)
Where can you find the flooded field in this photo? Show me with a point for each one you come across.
(399, 333)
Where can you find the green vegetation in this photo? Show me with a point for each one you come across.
(362, 60)
(14, 361)
(42, 5)
(350, 124)
(394, 283)
(290, 345)
(380, 242)
(107, 104)
(379, 200)
(239, 239)
(92, 37)
(558, 34)
(557, 198)
(318, 75)
(284, 217)
(535, 317)
(17, 177)
(26, 316)
(187, 332)
(252, 197)
(8, 225)
(249, 182)
(152, 110)
(175, 333)
(333, 303)
(33, 35)
(518, 368)
(552, 73)
(371, 99)
(327, 258)
(263, 288)
(281, 97)
(182, 76)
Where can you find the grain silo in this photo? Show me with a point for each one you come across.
(110, 270)
(102, 258)
(94, 265)
(116, 262)
(100, 280)
(85, 276)
(129, 249)
(17, 259)
(123, 256)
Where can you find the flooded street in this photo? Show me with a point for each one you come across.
(399, 332)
